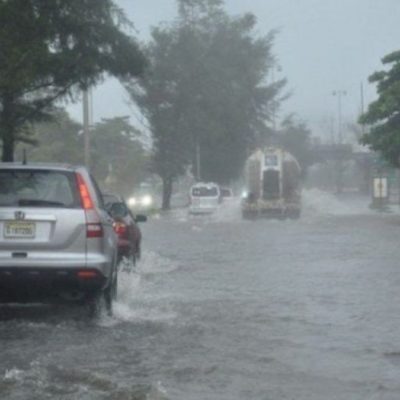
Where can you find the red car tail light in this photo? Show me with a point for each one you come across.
(90, 274)
(120, 228)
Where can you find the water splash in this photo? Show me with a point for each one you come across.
(316, 203)
(78, 382)
(137, 299)
(229, 211)
(153, 263)
(13, 374)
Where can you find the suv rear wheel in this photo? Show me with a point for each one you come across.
(104, 299)
(110, 293)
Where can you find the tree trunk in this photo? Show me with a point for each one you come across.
(7, 129)
(167, 192)
(8, 147)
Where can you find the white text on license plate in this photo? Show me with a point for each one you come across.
(19, 230)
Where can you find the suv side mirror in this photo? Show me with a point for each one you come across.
(140, 218)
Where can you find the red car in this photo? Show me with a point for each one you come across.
(125, 226)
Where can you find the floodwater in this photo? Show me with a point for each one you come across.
(222, 308)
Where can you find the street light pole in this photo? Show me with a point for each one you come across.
(339, 167)
(362, 106)
(198, 161)
(339, 94)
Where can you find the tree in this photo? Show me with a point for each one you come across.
(383, 115)
(57, 140)
(160, 101)
(295, 137)
(119, 159)
(49, 49)
(228, 116)
(205, 92)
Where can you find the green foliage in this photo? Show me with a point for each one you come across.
(384, 114)
(118, 157)
(206, 89)
(49, 49)
(59, 140)
(119, 160)
(160, 101)
(295, 137)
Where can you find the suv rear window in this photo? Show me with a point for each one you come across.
(38, 188)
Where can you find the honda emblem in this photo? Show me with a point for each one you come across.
(19, 215)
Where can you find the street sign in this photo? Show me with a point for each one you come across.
(381, 188)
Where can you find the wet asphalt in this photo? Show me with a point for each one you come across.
(221, 308)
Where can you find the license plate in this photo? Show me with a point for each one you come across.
(19, 230)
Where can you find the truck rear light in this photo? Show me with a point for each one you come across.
(94, 230)
(87, 274)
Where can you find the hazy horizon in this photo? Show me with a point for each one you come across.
(322, 46)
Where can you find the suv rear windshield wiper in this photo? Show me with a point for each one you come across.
(40, 203)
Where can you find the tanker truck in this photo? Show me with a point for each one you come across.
(272, 185)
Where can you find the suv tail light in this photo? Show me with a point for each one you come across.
(93, 229)
(86, 199)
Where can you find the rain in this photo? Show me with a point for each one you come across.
(254, 148)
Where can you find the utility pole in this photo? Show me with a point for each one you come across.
(86, 129)
(275, 68)
(87, 102)
(273, 102)
(332, 129)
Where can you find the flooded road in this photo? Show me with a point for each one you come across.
(222, 308)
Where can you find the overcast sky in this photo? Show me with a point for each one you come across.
(322, 46)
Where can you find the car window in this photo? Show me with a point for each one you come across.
(37, 188)
(205, 191)
(110, 198)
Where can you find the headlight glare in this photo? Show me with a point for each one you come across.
(147, 200)
(132, 201)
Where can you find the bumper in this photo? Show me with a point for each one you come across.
(49, 285)
(202, 210)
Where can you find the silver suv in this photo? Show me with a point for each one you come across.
(56, 239)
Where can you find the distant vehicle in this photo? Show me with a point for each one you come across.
(126, 227)
(272, 185)
(227, 194)
(143, 199)
(205, 198)
(57, 241)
